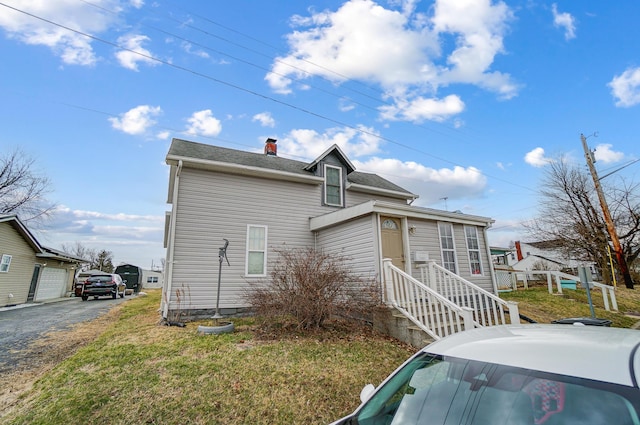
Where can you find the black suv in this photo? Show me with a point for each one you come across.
(101, 285)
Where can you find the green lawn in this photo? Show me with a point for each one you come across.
(138, 372)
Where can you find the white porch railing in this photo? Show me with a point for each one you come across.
(555, 278)
(488, 309)
(431, 311)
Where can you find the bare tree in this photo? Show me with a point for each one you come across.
(570, 216)
(99, 260)
(22, 189)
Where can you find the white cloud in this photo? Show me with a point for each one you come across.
(204, 123)
(309, 144)
(401, 50)
(536, 158)
(478, 27)
(73, 48)
(604, 153)
(163, 135)
(137, 120)
(265, 119)
(420, 109)
(430, 184)
(188, 47)
(136, 53)
(564, 20)
(626, 87)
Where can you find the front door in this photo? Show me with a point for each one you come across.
(392, 246)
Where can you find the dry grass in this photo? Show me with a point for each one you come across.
(44, 354)
(137, 372)
(537, 304)
(124, 368)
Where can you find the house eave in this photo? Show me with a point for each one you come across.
(244, 170)
(379, 191)
(391, 209)
(23, 231)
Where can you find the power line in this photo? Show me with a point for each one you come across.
(260, 95)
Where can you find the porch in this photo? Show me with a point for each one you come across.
(441, 303)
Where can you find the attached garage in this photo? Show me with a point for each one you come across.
(53, 284)
(29, 271)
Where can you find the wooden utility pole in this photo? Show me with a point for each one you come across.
(617, 248)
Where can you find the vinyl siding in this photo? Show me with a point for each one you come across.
(23, 260)
(213, 206)
(355, 240)
(427, 238)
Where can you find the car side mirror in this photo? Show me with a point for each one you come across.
(367, 392)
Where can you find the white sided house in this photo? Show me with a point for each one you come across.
(262, 203)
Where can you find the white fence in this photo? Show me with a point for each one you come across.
(555, 280)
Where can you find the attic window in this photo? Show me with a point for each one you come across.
(332, 185)
(5, 262)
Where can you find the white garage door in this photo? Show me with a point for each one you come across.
(53, 284)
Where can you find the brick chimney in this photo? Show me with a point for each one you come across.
(270, 147)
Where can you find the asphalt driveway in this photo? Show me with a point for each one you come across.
(20, 327)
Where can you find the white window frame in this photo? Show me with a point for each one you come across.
(474, 250)
(341, 188)
(5, 263)
(249, 251)
(443, 249)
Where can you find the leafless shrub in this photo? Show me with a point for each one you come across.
(309, 287)
(180, 314)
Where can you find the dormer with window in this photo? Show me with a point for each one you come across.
(333, 186)
(334, 167)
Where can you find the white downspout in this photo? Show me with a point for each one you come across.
(491, 268)
(170, 245)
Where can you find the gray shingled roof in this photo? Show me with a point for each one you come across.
(187, 149)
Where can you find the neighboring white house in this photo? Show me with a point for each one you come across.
(152, 279)
(545, 255)
(262, 202)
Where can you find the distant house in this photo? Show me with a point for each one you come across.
(545, 255)
(263, 202)
(152, 279)
(29, 271)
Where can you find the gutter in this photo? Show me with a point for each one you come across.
(170, 245)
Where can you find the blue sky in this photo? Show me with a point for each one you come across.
(460, 101)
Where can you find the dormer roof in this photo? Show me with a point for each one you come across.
(336, 151)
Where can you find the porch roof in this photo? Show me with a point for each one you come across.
(397, 210)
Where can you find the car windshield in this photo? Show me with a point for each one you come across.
(100, 279)
(433, 389)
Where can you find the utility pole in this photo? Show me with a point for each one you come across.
(617, 248)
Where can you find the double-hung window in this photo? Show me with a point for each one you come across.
(473, 248)
(447, 247)
(256, 264)
(5, 262)
(332, 185)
